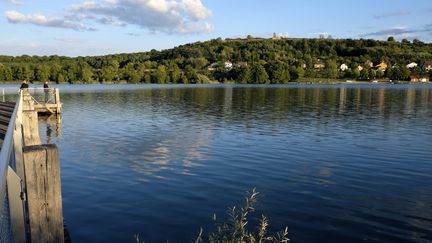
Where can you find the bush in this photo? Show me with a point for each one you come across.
(235, 229)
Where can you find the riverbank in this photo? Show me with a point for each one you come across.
(300, 81)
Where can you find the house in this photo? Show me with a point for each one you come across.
(414, 79)
(417, 79)
(319, 64)
(343, 67)
(412, 65)
(228, 65)
(427, 66)
(381, 66)
(213, 66)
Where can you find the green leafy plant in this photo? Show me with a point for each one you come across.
(235, 229)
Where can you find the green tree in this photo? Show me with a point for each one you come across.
(400, 73)
(160, 75)
(190, 74)
(86, 74)
(296, 73)
(22, 72)
(356, 73)
(42, 72)
(5, 73)
(365, 74)
(259, 74)
(278, 72)
(55, 70)
(331, 69)
(245, 75)
(175, 73)
(108, 74)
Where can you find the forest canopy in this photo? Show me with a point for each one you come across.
(249, 60)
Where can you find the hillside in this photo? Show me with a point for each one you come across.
(249, 60)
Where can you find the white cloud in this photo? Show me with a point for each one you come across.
(170, 16)
(16, 2)
(41, 20)
(391, 14)
(400, 32)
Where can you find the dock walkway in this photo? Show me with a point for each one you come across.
(6, 110)
(30, 187)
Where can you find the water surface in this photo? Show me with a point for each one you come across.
(334, 163)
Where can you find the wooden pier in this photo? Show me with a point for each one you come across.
(29, 171)
(50, 104)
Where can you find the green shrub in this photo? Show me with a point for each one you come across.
(235, 229)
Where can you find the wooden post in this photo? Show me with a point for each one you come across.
(42, 172)
(28, 103)
(30, 121)
(30, 128)
(57, 100)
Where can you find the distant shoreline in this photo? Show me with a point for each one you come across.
(305, 82)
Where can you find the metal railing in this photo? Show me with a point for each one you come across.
(39, 95)
(9, 94)
(8, 158)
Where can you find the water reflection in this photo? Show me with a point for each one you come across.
(50, 128)
(174, 153)
(175, 127)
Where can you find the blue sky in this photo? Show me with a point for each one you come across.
(98, 27)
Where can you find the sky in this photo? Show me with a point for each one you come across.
(100, 27)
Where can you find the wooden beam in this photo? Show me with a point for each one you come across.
(57, 100)
(30, 128)
(42, 172)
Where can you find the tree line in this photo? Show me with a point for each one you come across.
(249, 60)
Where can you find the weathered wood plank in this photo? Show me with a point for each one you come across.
(30, 128)
(6, 113)
(6, 108)
(42, 172)
(4, 118)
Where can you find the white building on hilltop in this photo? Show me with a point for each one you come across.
(412, 65)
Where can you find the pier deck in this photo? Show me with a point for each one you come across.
(30, 186)
(6, 110)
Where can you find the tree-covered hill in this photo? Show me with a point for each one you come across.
(250, 60)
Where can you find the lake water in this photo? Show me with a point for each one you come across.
(340, 163)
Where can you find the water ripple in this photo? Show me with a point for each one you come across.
(334, 163)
